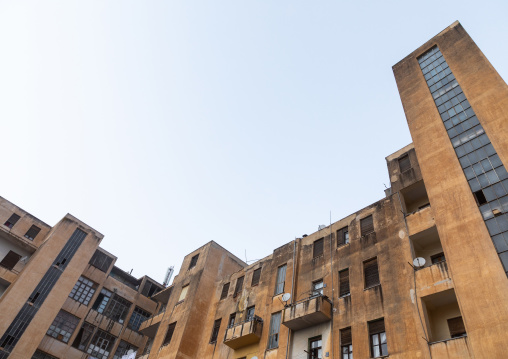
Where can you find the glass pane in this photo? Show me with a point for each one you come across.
(383, 338)
(375, 339)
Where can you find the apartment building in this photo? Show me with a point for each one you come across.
(421, 273)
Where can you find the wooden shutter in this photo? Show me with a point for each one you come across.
(341, 234)
(456, 326)
(318, 247)
(215, 330)
(12, 220)
(169, 333)
(281, 278)
(344, 282)
(404, 163)
(32, 232)
(239, 286)
(225, 290)
(377, 326)
(255, 277)
(367, 225)
(345, 337)
(10, 260)
(371, 272)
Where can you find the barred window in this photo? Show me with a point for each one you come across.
(101, 345)
(41, 355)
(138, 316)
(63, 326)
(83, 290)
(117, 308)
(32, 232)
(101, 261)
(123, 348)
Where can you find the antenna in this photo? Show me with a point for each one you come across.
(169, 274)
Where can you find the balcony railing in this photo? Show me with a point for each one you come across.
(451, 348)
(308, 312)
(149, 326)
(244, 333)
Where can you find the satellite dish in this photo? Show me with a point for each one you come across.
(286, 297)
(419, 262)
(254, 358)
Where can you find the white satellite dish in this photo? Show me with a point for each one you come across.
(254, 358)
(286, 297)
(419, 262)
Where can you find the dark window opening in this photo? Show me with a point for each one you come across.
(346, 343)
(169, 334)
(371, 272)
(255, 277)
(84, 335)
(315, 348)
(342, 236)
(225, 290)
(32, 232)
(12, 220)
(318, 247)
(437, 258)
(238, 287)
(344, 283)
(101, 261)
(404, 163)
(150, 289)
(480, 197)
(456, 327)
(231, 322)
(250, 313)
(194, 261)
(41, 355)
(101, 345)
(138, 316)
(367, 225)
(378, 344)
(10, 260)
(215, 331)
(280, 280)
(34, 298)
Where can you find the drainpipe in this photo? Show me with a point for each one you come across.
(333, 289)
(292, 294)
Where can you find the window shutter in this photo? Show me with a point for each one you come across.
(32, 232)
(225, 290)
(281, 278)
(345, 337)
(344, 282)
(239, 286)
(367, 225)
(101, 261)
(371, 272)
(215, 330)
(10, 260)
(255, 277)
(341, 236)
(12, 220)
(404, 163)
(318, 247)
(456, 326)
(377, 326)
(169, 333)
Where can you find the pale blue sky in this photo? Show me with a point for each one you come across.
(167, 124)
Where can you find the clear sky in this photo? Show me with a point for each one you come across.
(167, 124)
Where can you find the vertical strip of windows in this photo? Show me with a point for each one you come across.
(22, 320)
(484, 171)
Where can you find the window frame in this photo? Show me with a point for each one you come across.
(215, 331)
(438, 258)
(83, 292)
(346, 342)
(366, 229)
(169, 334)
(274, 343)
(311, 350)
(365, 274)
(256, 277)
(317, 291)
(376, 333)
(32, 232)
(318, 248)
(404, 161)
(341, 280)
(343, 235)
(280, 269)
(238, 286)
(65, 323)
(193, 262)
(225, 291)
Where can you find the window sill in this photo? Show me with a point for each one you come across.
(180, 302)
(374, 286)
(270, 349)
(343, 245)
(345, 295)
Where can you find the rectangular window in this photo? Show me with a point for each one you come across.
(84, 335)
(117, 308)
(317, 288)
(101, 261)
(437, 258)
(315, 348)
(273, 334)
(225, 290)
(183, 293)
(169, 334)
(215, 330)
(404, 163)
(101, 345)
(32, 232)
(150, 289)
(280, 280)
(138, 316)
(456, 327)
(255, 277)
(250, 313)
(346, 343)
(318, 247)
(238, 287)
(123, 348)
(102, 300)
(194, 261)
(10, 260)
(12, 220)
(63, 326)
(41, 355)
(231, 322)
(83, 290)
(367, 225)
(342, 236)
(378, 345)
(371, 272)
(344, 283)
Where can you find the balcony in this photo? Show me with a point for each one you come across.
(149, 327)
(433, 279)
(243, 334)
(451, 348)
(308, 312)
(420, 220)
